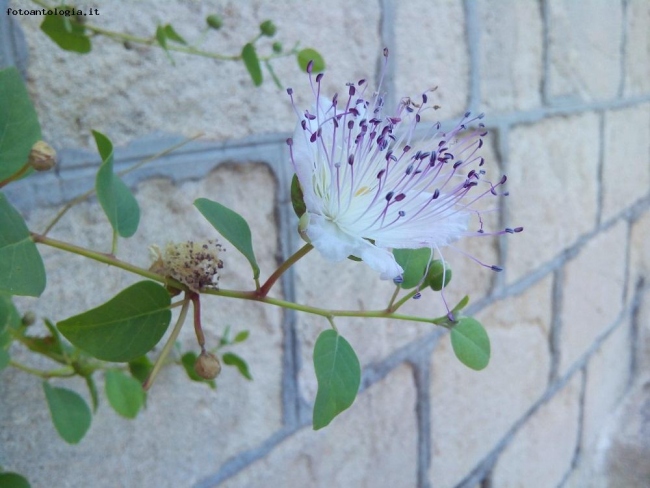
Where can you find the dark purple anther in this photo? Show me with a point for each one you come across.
(407, 148)
(310, 66)
(319, 77)
(351, 159)
(385, 52)
(352, 90)
(290, 142)
(482, 162)
(398, 279)
(350, 124)
(380, 174)
(289, 91)
(400, 197)
(518, 229)
(450, 316)
(480, 143)
(303, 124)
(401, 213)
(361, 82)
(436, 194)
(409, 170)
(504, 178)
(425, 99)
(389, 195)
(509, 231)
(496, 268)
(417, 118)
(467, 114)
(457, 164)
(417, 296)
(313, 137)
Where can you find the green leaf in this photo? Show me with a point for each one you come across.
(460, 305)
(13, 480)
(438, 269)
(172, 35)
(68, 35)
(124, 393)
(233, 360)
(21, 267)
(119, 204)
(9, 320)
(307, 55)
(338, 373)
(161, 37)
(140, 368)
(232, 227)
(241, 336)
(4, 359)
(249, 55)
(187, 360)
(297, 198)
(19, 127)
(471, 343)
(70, 413)
(124, 328)
(414, 262)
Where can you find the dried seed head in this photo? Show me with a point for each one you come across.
(195, 264)
(207, 366)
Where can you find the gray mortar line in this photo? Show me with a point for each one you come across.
(555, 350)
(503, 155)
(600, 169)
(623, 48)
(546, 61)
(472, 36)
(634, 332)
(577, 452)
(420, 364)
(387, 36)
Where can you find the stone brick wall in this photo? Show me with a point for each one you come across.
(566, 90)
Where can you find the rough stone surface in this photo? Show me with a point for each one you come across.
(626, 164)
(584, 49)
(592, 293)
(187, 430)
(372, 444)
(552, 175)
(491, 401)
(510, 55)
(146, 93)
(431, 50)
(551, 431)
(637, 48)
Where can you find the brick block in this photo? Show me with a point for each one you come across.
(584, 49)
(431, 50)
(592, 293)
(146, 93)
(626, 164)
(510, 55)
(541, 452)
(637, 49)
(553, 180)
(472, 411)
(372, 444)
(187, 428)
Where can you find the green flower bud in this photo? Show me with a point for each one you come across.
(214, 21)
(277, 47)
(434, 276)
(207, 366)
(28, 319)
(268, 28)
(42, 157)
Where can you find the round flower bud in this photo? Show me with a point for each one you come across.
(42, 157)
(268, 28)
(277, 47)
(28, 319)
(214, 21)
(207, 366)
(435, 274)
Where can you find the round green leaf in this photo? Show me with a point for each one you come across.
(19, 127)
(232, 359)
(124, 328)
(414, 263)
(338, 373)
(21, 267)
(70, 413)
(13, 480)
(471, 343)
(232, 227)
(140, 368)
(297, 198)
(249, 55)
(124, 393)
(308, 54)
